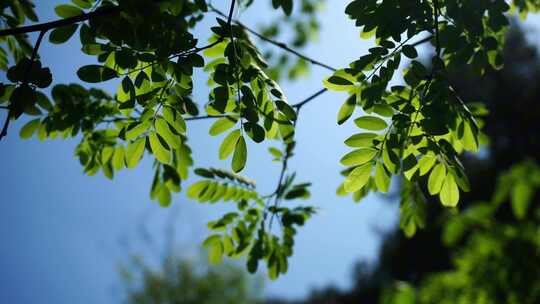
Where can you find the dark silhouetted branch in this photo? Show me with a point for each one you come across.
(276, 43)
(59, 23)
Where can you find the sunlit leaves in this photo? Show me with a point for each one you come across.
(161, 153)
(240, 155)
(358, 157)
(221, 125)
(361, 140)
(382, 178)
(29, 128)
(413, 208)
(214, 245)
(135, 152)
(358, 177)
(228, 144)
(436, 179)
(371, 123)
(340, 81)
(449, 193)
(173, 141)
(415, 131)
(136, 129)
(346, 110)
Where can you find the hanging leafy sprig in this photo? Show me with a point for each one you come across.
(421, 127)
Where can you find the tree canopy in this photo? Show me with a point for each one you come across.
(413, 132)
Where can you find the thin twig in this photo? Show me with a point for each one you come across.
(276, 43)
(205, 117)
(184, 53)
(59, 23)
(308, 99)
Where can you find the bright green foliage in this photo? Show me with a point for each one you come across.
(245, 233)
(412, 209)
(415, 131)
(429, 125)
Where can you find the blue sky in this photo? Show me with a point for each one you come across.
(64, 233)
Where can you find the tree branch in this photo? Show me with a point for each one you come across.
(59, 23)
(309, 99)
(276, 43)
(205, 117)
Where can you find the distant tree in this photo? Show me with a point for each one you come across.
(409, 131)
(184, 281)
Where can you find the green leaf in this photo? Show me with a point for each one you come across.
(469, 140)
(174, 141)
(275, 152)
(436, 179)
(255, 132)
(164, 196)
(196, 189)
(92, 49)
(361, 140)
(409, 51)
(382, 178)
(96, 73)
(137, 129)
(371, 123)
(118, 158)
(240, 155)
(286, 109)
(66, 11)
(135, 152)
(340, 81)
(215, 250)
(449, 194)
(83, 3)
(358, 157)
(174, 119)
(426, 163)
(221, 125)
(160, 152)
(126, 90)
(383, 110)
(106, 154)
(368, 34)
(358, 178)
(346, 110)
(62, 34)
(29, 128)
(228, 144)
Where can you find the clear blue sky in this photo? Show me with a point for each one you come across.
(64, 233)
